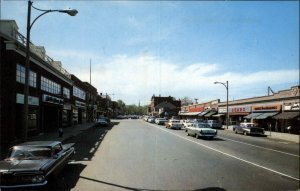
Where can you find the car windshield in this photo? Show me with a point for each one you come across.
(29, 152)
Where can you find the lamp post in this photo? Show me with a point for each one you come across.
(227, 114)
(72, 12)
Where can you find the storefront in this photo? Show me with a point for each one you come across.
(51, 113)
(66, 115)
(33, 114)
(79, 112)
(289, 120)
(237, 114)
(262, 115)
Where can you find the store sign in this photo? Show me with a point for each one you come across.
(240, 109)
(67, 107)
(291, 106)
(222, 110)
(80, 104)
(196, 109)
(266, 108)
(52, 99)
(31, 99)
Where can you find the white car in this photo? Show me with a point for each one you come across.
(201, 130)
(173, 124)
(160, 121)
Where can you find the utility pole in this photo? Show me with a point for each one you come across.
(91, 71)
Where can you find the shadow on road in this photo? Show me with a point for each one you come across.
(145, 189)
(88, 142)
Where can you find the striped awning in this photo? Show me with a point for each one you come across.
(210, 113)
(253, 115)
(189, 113)
(266, 115)
(204, 112)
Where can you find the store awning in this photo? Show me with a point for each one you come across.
(210, 113)
(266, 115)
(287, 115)
(204, 112)
(252, 115)
(218, 115)
(189, 113)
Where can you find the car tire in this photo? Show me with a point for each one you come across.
(235, 132)
(197, 136)
(188, 134)
(245, 133)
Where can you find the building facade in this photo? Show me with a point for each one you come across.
(56, 98)
(164, 106)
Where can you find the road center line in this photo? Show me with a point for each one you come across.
(260, 147)
(232, 156)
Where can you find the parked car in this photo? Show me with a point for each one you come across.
(151, 119)
(160, 121)
(105, 118)
(249, 129)
(215, 124)
(102, 122)
(173, 124)
(201, 130)
(33, 164)
(186, 123)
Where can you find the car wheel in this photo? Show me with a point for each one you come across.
(235, 131)
(245, 133)
(188, 134)
(197, 136)
(185, 130)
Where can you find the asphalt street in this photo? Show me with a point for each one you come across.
(136, 155)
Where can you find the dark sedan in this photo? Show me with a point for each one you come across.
(249, 129)
(33, 164)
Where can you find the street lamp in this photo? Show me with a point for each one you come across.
(226, 86)
(71, 12)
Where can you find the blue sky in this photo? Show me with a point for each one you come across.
(177, 48)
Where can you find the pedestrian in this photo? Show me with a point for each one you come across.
(60, 132)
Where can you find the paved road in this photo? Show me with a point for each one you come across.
(135, 155)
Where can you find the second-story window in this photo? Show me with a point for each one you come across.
(20, 76)
(78, 93)
(66, 93)
(50, 86)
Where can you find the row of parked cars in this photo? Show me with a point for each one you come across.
(195, 127)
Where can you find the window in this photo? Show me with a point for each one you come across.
(78, 93)
(66, 93)
(20, 76)
(50, 86)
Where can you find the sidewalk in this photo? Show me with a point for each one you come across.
(276, 135)
(68, 132)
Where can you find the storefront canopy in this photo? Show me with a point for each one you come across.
(190, 113)
(253, 115)
(210, 113)
(204, 112)
(218, 115)
(287, 115)
(266, 115)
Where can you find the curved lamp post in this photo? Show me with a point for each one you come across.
(71, 12)
(226, 86)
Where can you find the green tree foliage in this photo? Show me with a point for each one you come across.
(131, 109)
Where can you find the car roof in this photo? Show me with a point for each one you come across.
(40, 143)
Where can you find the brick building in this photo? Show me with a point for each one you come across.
(56, 98)
(164, 106)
